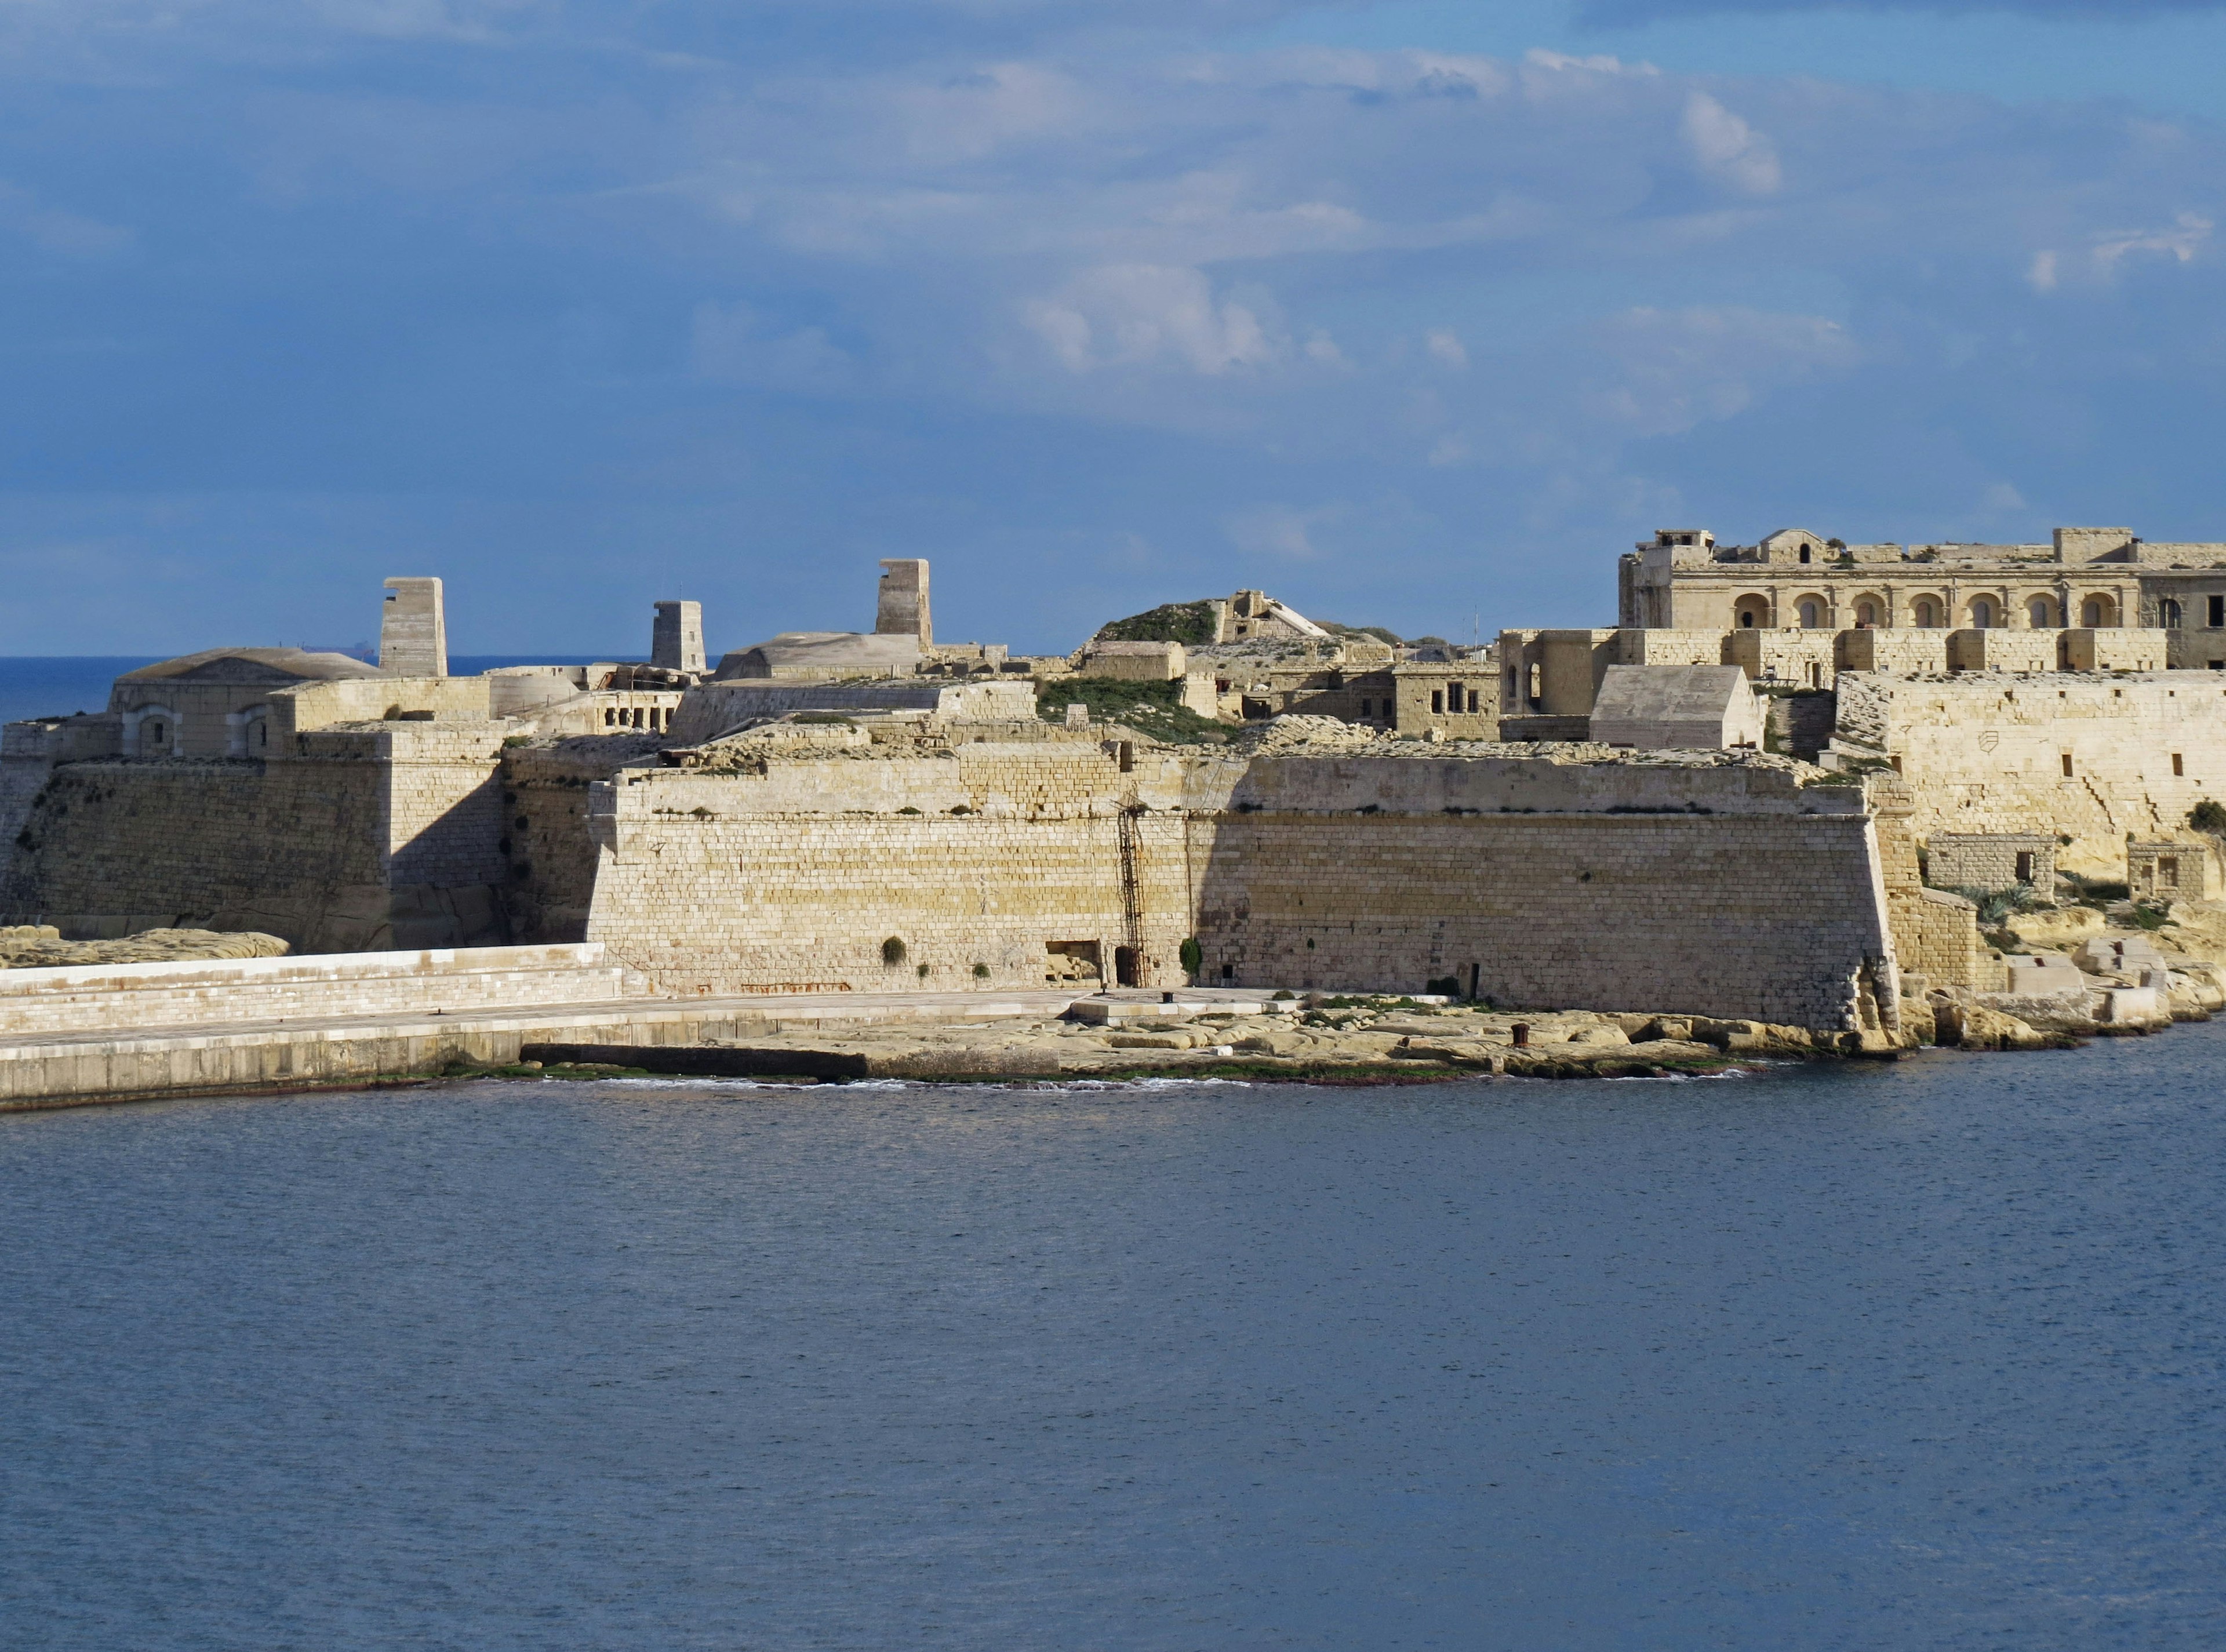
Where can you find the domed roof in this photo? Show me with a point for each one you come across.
(253, 665)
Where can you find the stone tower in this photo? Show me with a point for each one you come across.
(413, 637)
(676, 639)
(903, 610)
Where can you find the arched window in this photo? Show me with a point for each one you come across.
(1983, 612)
(1867, 613)
(1746, 618)
(1812, 613)
(1804, 553)
(2036, 614)
(2168, 612)
(1751, 611)
(2098, 611)
(1926, 612)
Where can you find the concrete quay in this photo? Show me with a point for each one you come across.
(79, 1035)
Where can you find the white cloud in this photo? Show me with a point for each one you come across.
(1444, 345)
(2187, 233)
(1727, 148)
(1122, 315)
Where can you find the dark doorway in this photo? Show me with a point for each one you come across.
(1124, 966)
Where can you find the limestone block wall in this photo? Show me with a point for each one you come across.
(1807, 659)
(2114, 648)
(2173, 870)
(375, 836)
(1992, 861)
(1897, 648)
(443, 803)
(711, 708)
(2097, 759)
(1999, 650)
(726, 883)
(545, 838)
(1780, 918)
(1936, 933)
(295, 849)
(310, 706)
(1723, 888)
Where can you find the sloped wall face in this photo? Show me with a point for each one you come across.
(2096, 760)
(293, 850)
(385, 838)
(786, 904)
(1727, 891)
(1777, 917)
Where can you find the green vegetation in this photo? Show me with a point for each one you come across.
(1193, 956)
(2208, 816)
(2095, 891)
(980, 972)
(1154, 710)
(1382, 633)
(1190, 623)
(823, 717)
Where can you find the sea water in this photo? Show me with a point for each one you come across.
(1917, 1355)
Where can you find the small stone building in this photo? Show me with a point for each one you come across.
(2168, 871)
(1990, 862)
(1658, 708)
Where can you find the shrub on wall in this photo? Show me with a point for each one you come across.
(1194, 957)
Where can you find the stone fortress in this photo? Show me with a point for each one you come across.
(1755, 797)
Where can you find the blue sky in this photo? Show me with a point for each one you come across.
(1413, 314)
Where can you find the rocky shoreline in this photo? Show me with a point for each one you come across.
(1319, 1039)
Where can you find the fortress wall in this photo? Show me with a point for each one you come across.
(1604, 889)
(785, 903)
(295, 849)
(308, 706)
(1775, 917)
(387, 834)
(544, 837)
(794, 874)
(1986, 754)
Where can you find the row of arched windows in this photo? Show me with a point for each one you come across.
(1932, 613)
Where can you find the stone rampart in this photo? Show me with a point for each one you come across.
(713, 708)
(2097, 759)
(1726, 888)
(366, 836)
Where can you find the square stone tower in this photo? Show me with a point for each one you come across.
(903, 610)
(413, 636)
(676, 639)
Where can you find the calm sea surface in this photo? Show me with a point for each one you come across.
(1918, 1355)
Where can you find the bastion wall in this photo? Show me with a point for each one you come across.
(372, 836)
(1727, 890)
(2097, 759)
